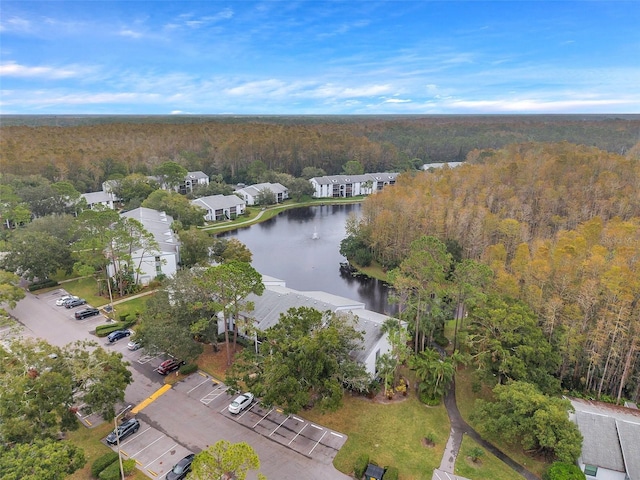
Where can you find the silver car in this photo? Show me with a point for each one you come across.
(240, 403)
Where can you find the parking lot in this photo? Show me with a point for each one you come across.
(191, 415)
(154, 452)
(292, 431)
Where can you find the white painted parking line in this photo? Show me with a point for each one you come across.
(274, 430)
(315, 426)
(156, 459)
(314, 447)
(198, 386)
(147, 357)
(247, 410)
(123, 444)
(297, 419)
(156, 440)
(211, 396)
(337, 434)
(305, 426)
(265, 416)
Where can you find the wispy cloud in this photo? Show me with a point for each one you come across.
(193, 21)
(13, 69)
(15, 24)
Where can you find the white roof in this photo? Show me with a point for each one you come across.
(157, 224)
(216, 202)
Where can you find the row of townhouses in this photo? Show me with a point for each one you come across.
(224, 207)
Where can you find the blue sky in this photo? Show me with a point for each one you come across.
(319, 57)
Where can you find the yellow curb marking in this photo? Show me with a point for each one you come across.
(152, 472)
(154, 396)
(203, 374)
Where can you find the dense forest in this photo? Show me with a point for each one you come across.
(559, 226)
(88, 150)
(550, 204)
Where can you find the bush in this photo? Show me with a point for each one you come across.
(391, 473)
(42, 284)
(361, 465)
(112, 472)
(475, 453)
(187, 369)
(123, 317)
(563, 471)
(100, 463)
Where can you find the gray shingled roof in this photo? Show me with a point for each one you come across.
(254, 190)
(157, 224)
(600, 446)
(97, 197)
(195, 175)
(278, 299)
(215, 202)
(629, 434)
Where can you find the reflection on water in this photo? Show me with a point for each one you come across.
(302, 247)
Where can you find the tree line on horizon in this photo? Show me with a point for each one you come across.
(92, 151)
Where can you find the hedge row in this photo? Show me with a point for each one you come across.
(361, 465)
(100, 463)
(112, 472)
(187, 369)
(43, 284)
(106, 329)
(391, 473)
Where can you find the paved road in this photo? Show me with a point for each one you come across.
(181, 421)
(458, 428)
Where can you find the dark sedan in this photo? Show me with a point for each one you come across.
(180, 469)
(117, 335)
(125, 429)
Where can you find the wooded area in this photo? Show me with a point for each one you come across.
(86, 150)
(559, 226)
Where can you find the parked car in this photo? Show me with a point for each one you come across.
(169, 366)
(117, 335)
(241, 402)
(180, 469)
(133, 345)
(87, 312)
(125, 429)
(76, 302)
(61, 301)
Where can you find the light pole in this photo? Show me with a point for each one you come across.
(115, 423)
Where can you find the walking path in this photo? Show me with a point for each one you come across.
(458, 428)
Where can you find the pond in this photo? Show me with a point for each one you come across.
(302, 247)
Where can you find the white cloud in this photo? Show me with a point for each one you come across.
(534, 105)
(15, 24)
(13, 69)
(397, 100)
(127, 32)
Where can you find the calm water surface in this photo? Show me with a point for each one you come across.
(302, 247)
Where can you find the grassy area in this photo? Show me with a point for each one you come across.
(466, 397)
(89, 439)
(487, 467)
(391, 433)
(132, 306)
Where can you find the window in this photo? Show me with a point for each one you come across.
(590, 470)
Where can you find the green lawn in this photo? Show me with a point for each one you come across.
(89, 439)
(488, 466)
(466, 397)
(391, 434)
